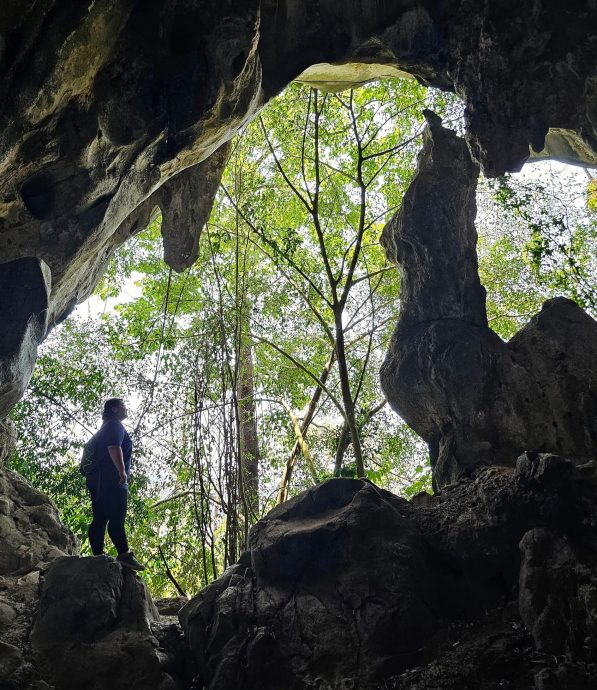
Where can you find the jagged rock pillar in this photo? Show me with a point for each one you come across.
(472, 397)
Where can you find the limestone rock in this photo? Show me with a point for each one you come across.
(93, 628)
(186, 202)
(24, 299)
(170, 606)
(472, 397)
(350, 586)
(104, 104)
(558, 593)
(31, 537)
(31, 534)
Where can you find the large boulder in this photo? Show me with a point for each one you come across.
(348, 585)
(93, 628)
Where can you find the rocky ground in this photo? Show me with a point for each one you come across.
(489, 584)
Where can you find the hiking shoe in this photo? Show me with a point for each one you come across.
(128, 560)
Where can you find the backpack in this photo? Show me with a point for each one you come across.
(88, 462)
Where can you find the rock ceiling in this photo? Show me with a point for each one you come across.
(111, 108)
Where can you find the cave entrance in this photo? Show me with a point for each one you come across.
(231, 366)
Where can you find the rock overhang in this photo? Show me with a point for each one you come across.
(112, 109)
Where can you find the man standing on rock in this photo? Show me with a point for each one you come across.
(108, 486)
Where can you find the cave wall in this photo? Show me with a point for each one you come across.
(102, 104)
(111, 108)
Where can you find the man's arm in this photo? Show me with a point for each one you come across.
(118, 459)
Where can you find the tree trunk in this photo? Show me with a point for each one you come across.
(248, 440)
(296, 450)
(347, 400)
(341, 448)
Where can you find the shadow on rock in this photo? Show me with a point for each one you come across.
(350, 586)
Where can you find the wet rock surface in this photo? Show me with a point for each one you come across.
(472, 397)
(350, 584)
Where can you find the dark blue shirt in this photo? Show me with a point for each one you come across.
(112, 433)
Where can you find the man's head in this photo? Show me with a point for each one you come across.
(114, 408)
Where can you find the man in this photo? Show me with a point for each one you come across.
(108, 487)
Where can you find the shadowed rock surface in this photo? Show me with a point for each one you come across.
(350, 585)
(472, 397)
(109, 109)
(25, 287)
(31, 537)
(489, 584)
(93, 628)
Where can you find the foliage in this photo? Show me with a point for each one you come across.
(559, 233)
(290, 281)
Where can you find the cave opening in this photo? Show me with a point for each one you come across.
(273, 481)
(231, 390)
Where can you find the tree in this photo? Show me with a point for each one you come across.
(321, 179)
(253, 374)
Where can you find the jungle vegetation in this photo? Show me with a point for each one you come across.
(254, 374)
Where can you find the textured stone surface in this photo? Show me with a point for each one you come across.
(31, 537)
(472, 397)
(558, 593)
(24, 299)
(105, 103)
(31, 534)
(187, 202)
(93, 628)
(350, 584)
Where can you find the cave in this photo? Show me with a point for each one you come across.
(110, 110)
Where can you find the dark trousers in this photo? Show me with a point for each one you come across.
(108, 504)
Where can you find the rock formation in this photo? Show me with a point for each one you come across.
(350, 586)
(24, 298)
(72, 623)
(102, 104)
(472, 397)
(31, 537)
(94, 629)
(113, 108)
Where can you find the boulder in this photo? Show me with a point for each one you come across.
(348, 585)
(93, 628)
